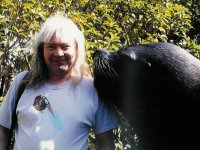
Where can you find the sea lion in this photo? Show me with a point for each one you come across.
(157, 87)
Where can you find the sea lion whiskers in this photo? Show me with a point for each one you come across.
(103, 63)
(111, 72)
(99, 66)
(103, 67)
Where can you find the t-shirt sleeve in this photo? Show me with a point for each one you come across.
(8, 104)
(105, 118)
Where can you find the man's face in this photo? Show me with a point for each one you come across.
(59, 55)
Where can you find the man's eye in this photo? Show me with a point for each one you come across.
(65, 47)
(51, 47)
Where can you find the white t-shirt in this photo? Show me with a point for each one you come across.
(56, 117)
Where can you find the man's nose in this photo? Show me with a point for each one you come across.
(59, 52)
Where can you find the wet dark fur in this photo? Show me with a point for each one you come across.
(157, 87)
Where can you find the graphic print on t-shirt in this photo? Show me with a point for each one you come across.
(41, 102)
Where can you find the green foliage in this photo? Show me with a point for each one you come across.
(106, 24)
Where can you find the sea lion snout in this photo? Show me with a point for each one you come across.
(99, 52)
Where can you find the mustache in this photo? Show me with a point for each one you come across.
(59, 58)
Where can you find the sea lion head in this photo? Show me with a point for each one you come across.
(106, 68)
(117, 74)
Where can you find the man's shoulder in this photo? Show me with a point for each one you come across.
(19, 77)
(87, 82)
(87, 79)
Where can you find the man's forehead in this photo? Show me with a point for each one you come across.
(63, 40)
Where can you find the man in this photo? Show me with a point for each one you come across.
(59, 105)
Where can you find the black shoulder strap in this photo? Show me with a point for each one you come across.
(20, 91)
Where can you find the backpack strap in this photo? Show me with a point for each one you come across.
(20, 91)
